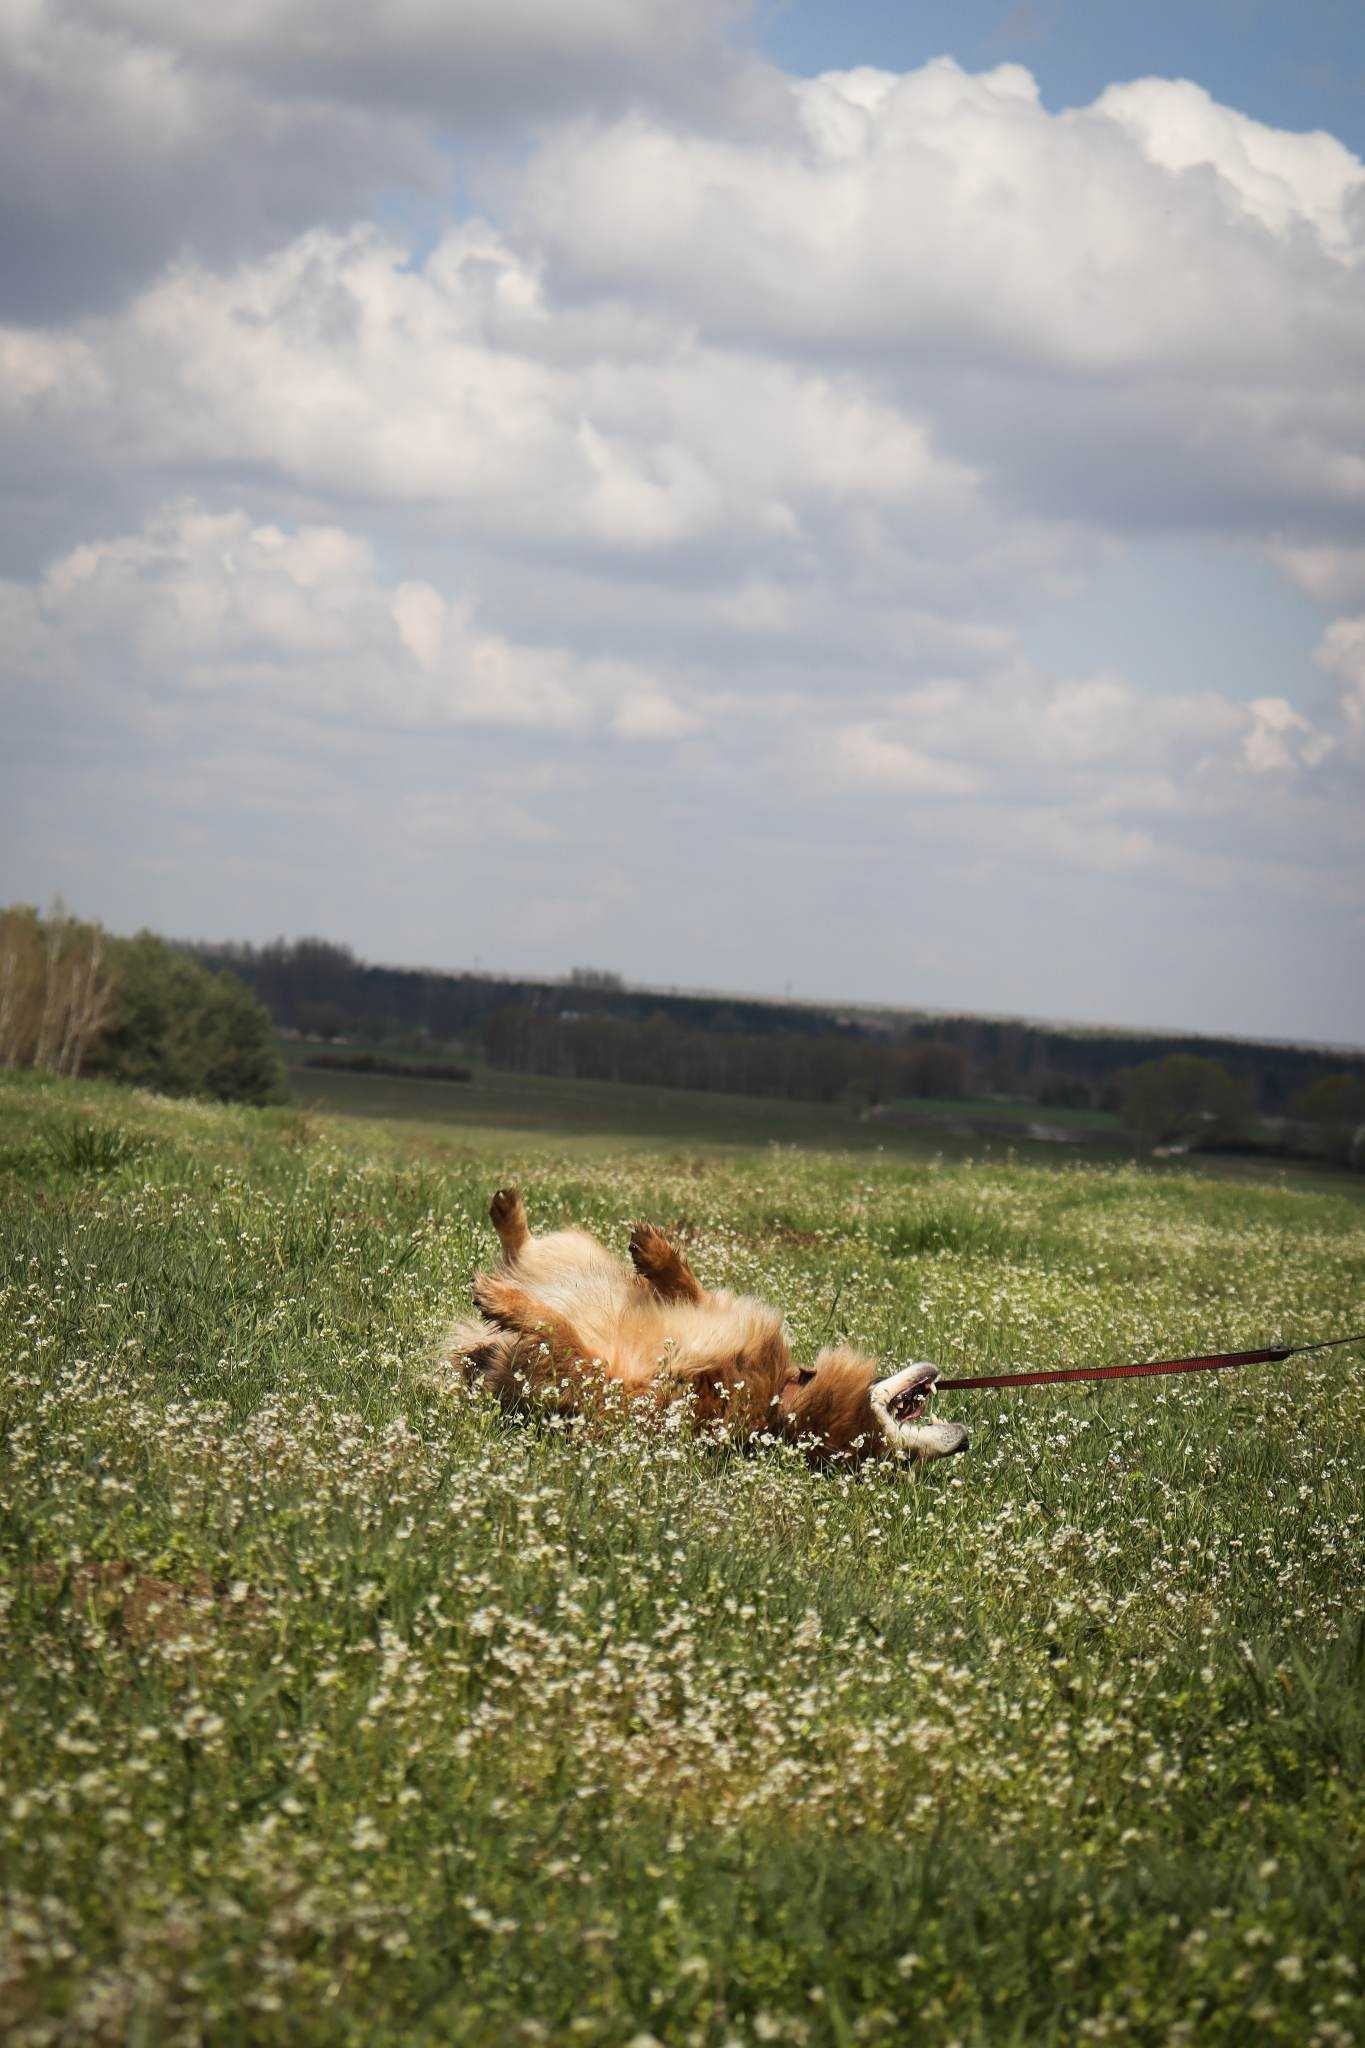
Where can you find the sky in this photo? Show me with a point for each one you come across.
(865, 501)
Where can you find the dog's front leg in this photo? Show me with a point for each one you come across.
(662, 1266)
(507, 1212)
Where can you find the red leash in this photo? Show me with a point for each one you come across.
(1214, 1361)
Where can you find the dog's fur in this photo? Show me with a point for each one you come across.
(562, 1319)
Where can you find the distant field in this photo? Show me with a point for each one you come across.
(1098, 1120)
(337, 1707)
(595, 1109)
(602, 1115)
(662, 1115)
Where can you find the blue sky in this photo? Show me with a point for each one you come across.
(865, 500)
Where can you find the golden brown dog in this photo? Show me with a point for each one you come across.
(563, 1318)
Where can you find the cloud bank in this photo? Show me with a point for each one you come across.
(449, 415)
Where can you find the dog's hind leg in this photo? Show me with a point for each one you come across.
(662, 1266)
(508, 1213)
(547, 1358)
(499, 1297)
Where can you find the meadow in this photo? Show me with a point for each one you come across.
(339, 1707)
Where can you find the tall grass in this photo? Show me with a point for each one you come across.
(339, 1708)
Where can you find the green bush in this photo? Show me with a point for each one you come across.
(1184, 1100)
(184, 1030)
(1336, 1106)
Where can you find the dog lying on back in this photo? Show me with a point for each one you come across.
(562, 1318)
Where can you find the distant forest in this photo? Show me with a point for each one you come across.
(593, 1026)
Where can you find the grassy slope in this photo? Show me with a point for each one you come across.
(599, 1115)
(339, 1708)
(495, 1105)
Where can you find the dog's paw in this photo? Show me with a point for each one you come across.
(506, 1208)
(899, 1401)
(508, 1213)
(650, 1250)
(494, 1298)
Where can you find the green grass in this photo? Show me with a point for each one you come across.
(592, 1117)
(496, 1104)
(983, 1106)
(339, 1708)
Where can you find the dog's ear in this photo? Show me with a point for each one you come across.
(802, 1375)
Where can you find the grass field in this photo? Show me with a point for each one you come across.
(495, 1104)
(337, 1707)
(427, 1117)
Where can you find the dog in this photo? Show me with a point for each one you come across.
(562, 1320)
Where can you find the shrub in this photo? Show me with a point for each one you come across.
(1184, 1100)
(185, 1030)
(1336, 1107)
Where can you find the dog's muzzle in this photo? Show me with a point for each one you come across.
(900, 1401)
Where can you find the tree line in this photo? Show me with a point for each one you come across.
(568, 1027)
(75, 1000)
(196, 1019)
(807, 1067)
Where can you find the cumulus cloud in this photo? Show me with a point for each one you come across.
(1279, 738)
(202, 604)
(1040, 726)
(1090, 843)
(702, 503)
(1341, 652)
(342, 370)
(1283, 180)
(1111, 306)
(132, 131)
(895, 210)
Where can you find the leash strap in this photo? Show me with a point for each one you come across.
(1213, 1361)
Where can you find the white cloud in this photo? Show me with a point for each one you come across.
(339, 369)
(866, 754)
(899, 211)
(1333, 575)
(1283, 180)
(1087, 730)
(134, 130)
(215, 606)
(650, 714)
(48, 372)
(1089, 843)
(1069, 300)
(1279, 738)
(787, 421)
(1341, 652)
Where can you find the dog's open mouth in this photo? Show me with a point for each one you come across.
(907, 1394)
(899, 1403)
